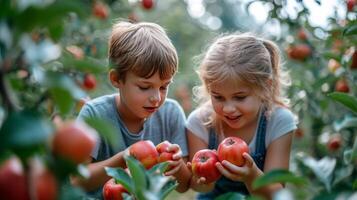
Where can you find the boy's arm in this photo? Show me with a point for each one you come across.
(98, 176)
(183, 176)
(195, 144)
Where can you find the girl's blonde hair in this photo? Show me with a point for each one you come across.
(244, 58)
(143, 48)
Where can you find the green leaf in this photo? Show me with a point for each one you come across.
(159, 168)
(350, 30)
(48, 15)
(350, 155)
(345, 99)
(168, 188)
(121, 177)
(25, 129)
(138, 174)
(323, 169)
(230, 196)
(63, 99)
(55, 80)
(278, 176)
(88, 64)
(347, 122)
(106, 130)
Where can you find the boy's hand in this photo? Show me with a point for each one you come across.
(246, 172)
(176, 162)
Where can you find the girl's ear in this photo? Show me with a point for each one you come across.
(114, 78)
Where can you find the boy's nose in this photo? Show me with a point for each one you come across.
(155, 97)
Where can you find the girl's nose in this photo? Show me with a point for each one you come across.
(229, 107)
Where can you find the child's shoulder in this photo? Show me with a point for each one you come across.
(102, 102)
(282, 114)
(170, 105)
(203, 113)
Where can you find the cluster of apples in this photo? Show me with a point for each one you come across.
(148, 154)
(230, 149)
(72, 141)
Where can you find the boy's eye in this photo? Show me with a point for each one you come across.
(143, 87)
(163, 88)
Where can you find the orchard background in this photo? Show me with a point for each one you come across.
(53, 59)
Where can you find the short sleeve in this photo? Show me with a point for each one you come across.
(86, 112)
(280, 123)
(196, 125)
(177, 126)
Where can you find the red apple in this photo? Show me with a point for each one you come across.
(89, 82)
(74, 141)
(13, 181)
(147, 4)
(302, 34)
(145, 152)
(204, 165)
(164, 154)
(342, 86)
(334, 143)
(350, 5)
(113, 191)
(232, 149)
(43, 184)
(299, 51)
(100, 10)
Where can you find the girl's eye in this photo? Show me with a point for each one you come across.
(240, 98)
(219, 98)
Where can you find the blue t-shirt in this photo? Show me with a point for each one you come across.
(168, 123)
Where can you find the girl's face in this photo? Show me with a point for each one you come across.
(235, 104)
(140, 97)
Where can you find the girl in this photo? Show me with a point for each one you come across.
(241, 96)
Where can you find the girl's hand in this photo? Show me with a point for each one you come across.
(246, 172)
(198, 180)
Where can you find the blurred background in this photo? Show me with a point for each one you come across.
(53, 57)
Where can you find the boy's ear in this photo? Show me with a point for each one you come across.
(114, 78)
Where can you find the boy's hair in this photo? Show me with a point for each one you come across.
(243, 58)
(142, 48)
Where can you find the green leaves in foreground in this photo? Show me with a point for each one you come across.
(345, 99)
(278, 176)
(143, 184)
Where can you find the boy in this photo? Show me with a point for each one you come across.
(145, 62)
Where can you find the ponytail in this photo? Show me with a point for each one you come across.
(277, 78)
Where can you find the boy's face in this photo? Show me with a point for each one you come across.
(140, 97)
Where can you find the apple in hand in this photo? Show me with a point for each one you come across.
(113, 191)
(204, 165)
(145, 152)
(164, 154)
(232, 149)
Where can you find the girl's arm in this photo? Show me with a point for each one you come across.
(277, 157)
(98, 176)
(195, 144)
